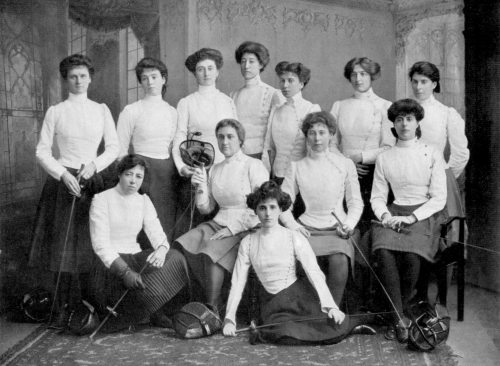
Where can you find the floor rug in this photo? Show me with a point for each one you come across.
(157, 346)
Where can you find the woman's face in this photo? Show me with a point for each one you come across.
(361, 81)
(228, 140)
(250, 66)
(206, 72)
(406, 127)
(318, 137)
(422, 86)
(131, 180)
(78, 79)
(152, 82)
(290, 84)
(268, 212)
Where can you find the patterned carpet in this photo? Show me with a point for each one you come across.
(157, 346)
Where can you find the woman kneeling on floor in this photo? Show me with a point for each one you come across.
(116, 217)
(273, 252)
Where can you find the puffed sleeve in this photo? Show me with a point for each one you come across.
(314, 108)
(387, 139)
(277, 98)
(205, 201)
(100, 230)
(337, 138)
(306, 256)
(380, 189)
(111, 147)
(181, 133)
(44, 147)
(152, 226)
(290, 186)
(239, 279)
(437, 189)
(353, 198)
(125, 129)
(269, 145)
(459, 153)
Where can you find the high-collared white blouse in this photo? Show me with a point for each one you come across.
(363, 126)
(442, 124)
(254, 103)
(77, 125)
(150, 124)
(273, 253)
(200, 112)
(229, 183)
(115, 221)
(284, 135)
(415, 172)
(323, 179)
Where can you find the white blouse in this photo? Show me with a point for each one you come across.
(115, 221)
(416, 173)
(363, 126)
(254, 103)
(150, 125)
(78, 126)
(229, 184)
(284, 135)
(323, 179)
(273, 253)
(440, 125)
(200, 112)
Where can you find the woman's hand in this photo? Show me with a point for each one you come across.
(199, 177)
(344, 232)
(72, 183)
(157, 258)
(221, 234)
(357, 158)
(362, 169)
(336, 315)
(395, 222)
(229, 329)
(304, 231)
(187, 171)
(87, 172)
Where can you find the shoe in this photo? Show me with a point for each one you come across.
(402, 330)
(62, 320)
(390, 334)
(364, 329)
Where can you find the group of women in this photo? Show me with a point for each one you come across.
(281, 169)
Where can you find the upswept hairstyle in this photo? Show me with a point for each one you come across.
(269, 190)
(302, 72)
(76, 60)
(371, 67)
(240, 130)
(204, 54)
(152, 63)
(426, 69)
(405, 107)
(128, 162)
(319, 117)
(259, 50)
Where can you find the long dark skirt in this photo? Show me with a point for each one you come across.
(161, 286)
(51, 224)
(414, 242)
(161, 189)
(365, 186)
(299, 301)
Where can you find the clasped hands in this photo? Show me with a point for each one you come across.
(395, 222)
(345, 232)
(72, 182)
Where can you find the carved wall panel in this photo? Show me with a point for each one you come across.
(255, 11)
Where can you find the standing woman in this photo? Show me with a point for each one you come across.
(211, 248)
(77, 126)
(363, 130)
(150, 125)
(256, 99)
(324, 179)
(284, 137)
(415, 173)
(199, 112)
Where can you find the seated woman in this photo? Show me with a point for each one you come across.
(273, 252)
(116, 217)
(416, 173)
(325, 179)
(211, 248)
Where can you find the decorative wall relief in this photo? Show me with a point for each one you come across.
(211, 9)
(348, 25)
(174, 12)
(256, 11)
(306, 18)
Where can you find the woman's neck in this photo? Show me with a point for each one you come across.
(407, 143)
(206, 88)
(253, 81)
(152, 98)
(77, 97)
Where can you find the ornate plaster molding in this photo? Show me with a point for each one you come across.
(173, 11)
(256, 11)
(211, 9)
(306, 18)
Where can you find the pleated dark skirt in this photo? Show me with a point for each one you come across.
(298, 301)
(161, 190)
(161, 285)
(51, 224)
(424, 246)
